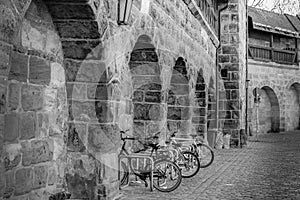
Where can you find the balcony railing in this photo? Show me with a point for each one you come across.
(272, 54)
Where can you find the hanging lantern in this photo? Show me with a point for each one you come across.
(124, 10)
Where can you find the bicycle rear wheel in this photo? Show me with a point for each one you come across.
(189, 164)
(166, 175)
(124, 174)
(205, 154)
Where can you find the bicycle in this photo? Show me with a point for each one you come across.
(164, 174)
(187, 161)
(204, 152)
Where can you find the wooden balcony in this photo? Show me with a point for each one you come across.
(272, 54)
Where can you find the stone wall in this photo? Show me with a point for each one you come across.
(71, 78)
(33, 105)
(279, 106)
(232, 62)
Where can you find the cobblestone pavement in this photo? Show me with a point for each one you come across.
(266, 169)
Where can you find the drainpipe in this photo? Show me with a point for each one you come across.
(247, 78)
(217, 64)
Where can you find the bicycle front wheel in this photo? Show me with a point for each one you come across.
(189, 164)
(166, 175)
(205, 154)
(124, 174)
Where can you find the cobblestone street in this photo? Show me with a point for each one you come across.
(266, 169)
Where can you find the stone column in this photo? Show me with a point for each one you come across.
(232, 62)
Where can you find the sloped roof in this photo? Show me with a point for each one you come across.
(295, 21)
(270, 21)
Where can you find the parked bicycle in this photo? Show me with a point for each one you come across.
(163, 173)
(187, 161)
(196, 145)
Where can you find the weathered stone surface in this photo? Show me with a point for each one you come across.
(154, 97)
(8, 24)
(178, 113)
(9, 184)
(40, 176)
(52, 176)
(77, 91)
(138, 96)
(77, 137)
(23, 180)
(74, 11)
(27, 125)
(37, 151)
(32, 97)
(79, 49)
(147, 111)
(103, 137)
(40, 71)
(42, 125)
(14, 91)
(19, 67)
(11, 127)
(11, 161)
(100, 92)
(87, 71)
(144, 68)
(179, 89)
(2, 99)
(4, 59)
(81, 187)
(78, 29)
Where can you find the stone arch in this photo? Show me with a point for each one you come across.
(178, 100)
(292, 106)
(200, 104)
(147, 95)
(268, 112)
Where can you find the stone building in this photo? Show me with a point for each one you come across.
(71, 77)
(273, 66)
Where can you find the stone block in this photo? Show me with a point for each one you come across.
(19, 67)
(138, 96)
(9, 178)
(42, 125)
(37, 151)
(12, 161)
(199, 111)
(11, 128)
(40, 176)
(224, 58)
(32, 97)
(142, 55)
(78, 29)
(23, 181)
(80, 49)
(179, 89)
(100, 92)
(77, 137)
(144, 68)
(233, 28)
(198, 120)
(74, 11)
(146, 82)
(2, 99)
(201, 102)
(171, 99)
(147, 111)
(183, 101)
(40, 71)
(14, 90)
(201, 95)
(178, 113)
(154, 97)
(103, 138)
(231, 85)
(8, 24)
(52, 176)
(4, 59)
(81, 187)
(27, 125)
(86, 71)
(77, 91)
(229, 50)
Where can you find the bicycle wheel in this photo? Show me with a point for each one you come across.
(166, 175)
(124, 174)
(189, 164)
(205, 154)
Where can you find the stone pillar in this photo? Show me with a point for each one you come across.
(232, 62)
